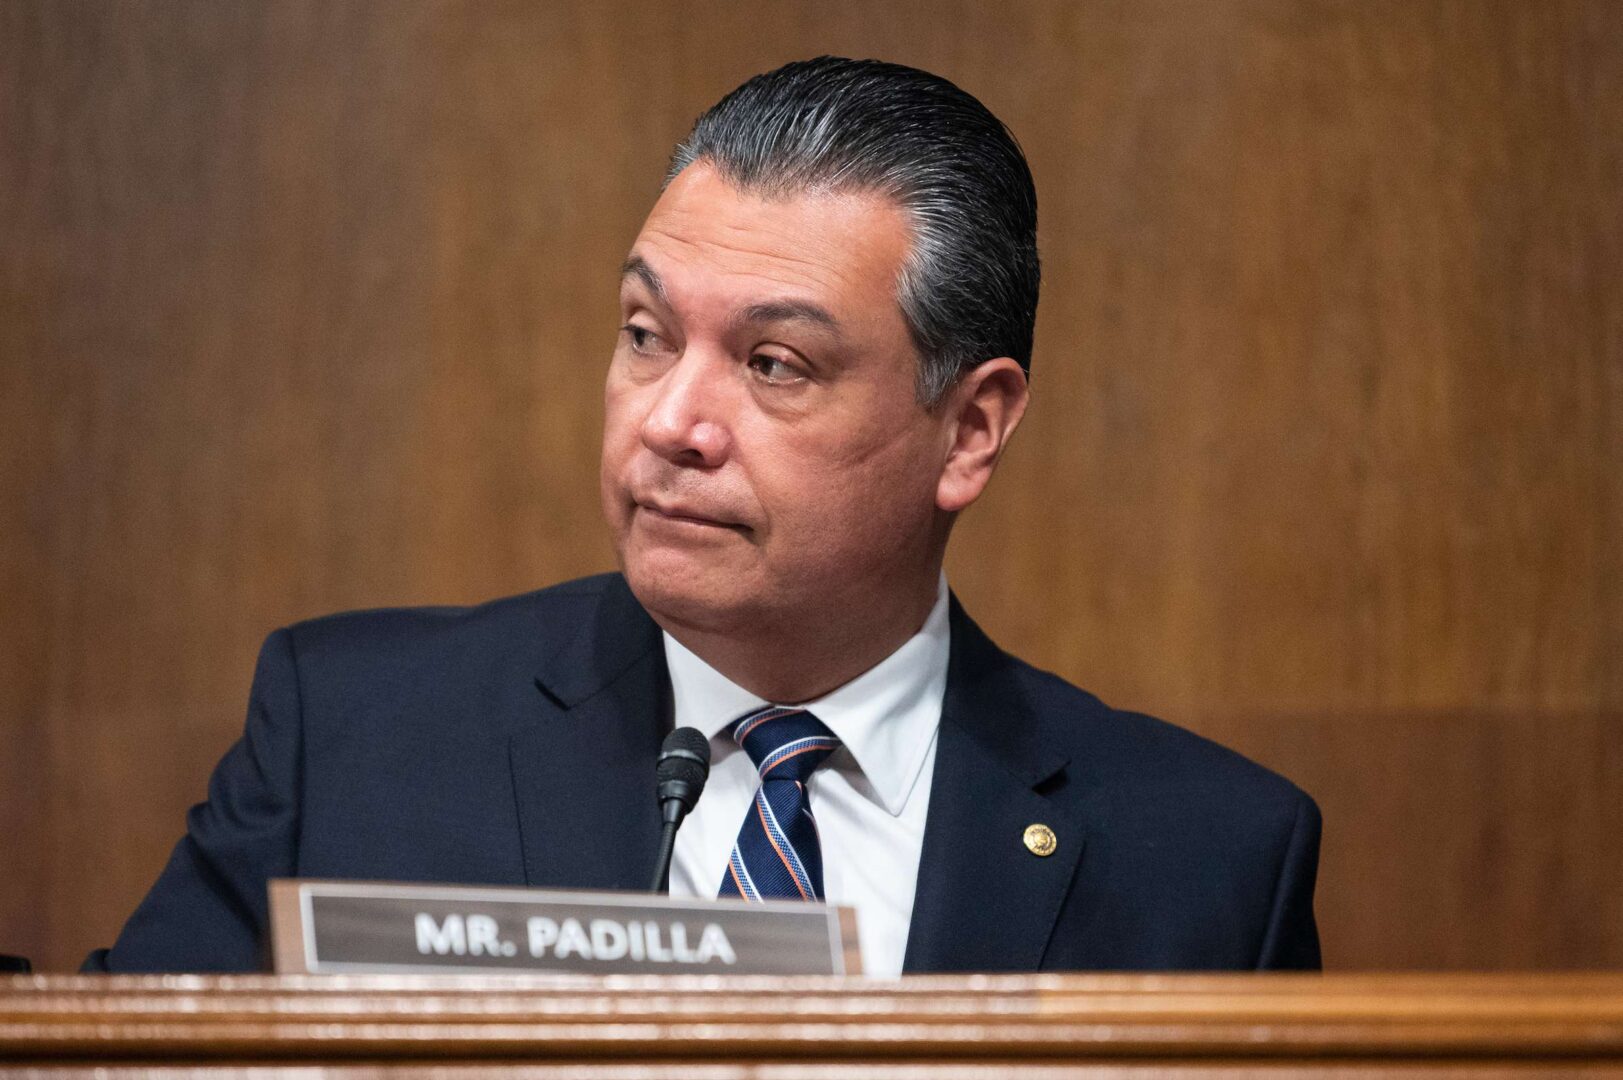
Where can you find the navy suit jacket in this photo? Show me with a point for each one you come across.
(514, 744)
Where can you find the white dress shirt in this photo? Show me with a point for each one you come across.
(869, 797)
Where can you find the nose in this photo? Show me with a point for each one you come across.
(686, 423)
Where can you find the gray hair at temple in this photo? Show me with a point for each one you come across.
(968, 286)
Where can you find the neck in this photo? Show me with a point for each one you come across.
(788, 660)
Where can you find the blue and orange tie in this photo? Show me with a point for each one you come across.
(777, 855)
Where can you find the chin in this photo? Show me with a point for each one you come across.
(681, 596)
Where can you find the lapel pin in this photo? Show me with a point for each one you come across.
(1040, 840)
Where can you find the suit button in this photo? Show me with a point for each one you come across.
(1040, 840)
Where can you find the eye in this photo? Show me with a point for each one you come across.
(642, 339)
(772, 369)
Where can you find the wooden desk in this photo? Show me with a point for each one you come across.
(960, 1027)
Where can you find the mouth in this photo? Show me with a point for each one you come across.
(681, 515)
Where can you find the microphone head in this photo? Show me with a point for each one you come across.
(684, 765)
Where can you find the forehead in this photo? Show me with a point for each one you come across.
(708, 241)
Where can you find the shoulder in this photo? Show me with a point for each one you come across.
(1157, 781)
(439, 650)
(1146, 755)
(1125, 759)
(539, 617)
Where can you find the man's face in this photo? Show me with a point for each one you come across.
(764, 455)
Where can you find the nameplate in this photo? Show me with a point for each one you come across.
(356, 927)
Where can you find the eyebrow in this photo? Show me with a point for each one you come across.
(787, 311)
(768, 311)
(635, 267)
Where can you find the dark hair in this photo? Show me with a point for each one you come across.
(968, 287)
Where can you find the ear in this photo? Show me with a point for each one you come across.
(983, 411)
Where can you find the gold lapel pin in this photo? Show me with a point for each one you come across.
(1040, 840)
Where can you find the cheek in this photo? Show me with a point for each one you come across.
(620, 427)
(619, 443)
(857, 506)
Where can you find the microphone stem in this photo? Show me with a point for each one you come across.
(662, 863)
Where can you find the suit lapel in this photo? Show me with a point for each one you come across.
(583, 781)
(984, 902)
(583, 771)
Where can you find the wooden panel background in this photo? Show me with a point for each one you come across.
(305, 305)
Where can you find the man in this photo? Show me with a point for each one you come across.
(826, 332)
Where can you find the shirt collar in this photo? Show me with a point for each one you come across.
(886, 717)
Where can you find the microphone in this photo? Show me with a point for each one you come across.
(684, 765)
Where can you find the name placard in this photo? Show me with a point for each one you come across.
(334, 927)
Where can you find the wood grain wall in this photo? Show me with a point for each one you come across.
(305, 306)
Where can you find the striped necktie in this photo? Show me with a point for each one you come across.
(777, 855)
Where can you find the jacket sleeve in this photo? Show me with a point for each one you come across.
(1292, 939)
(208, 909)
